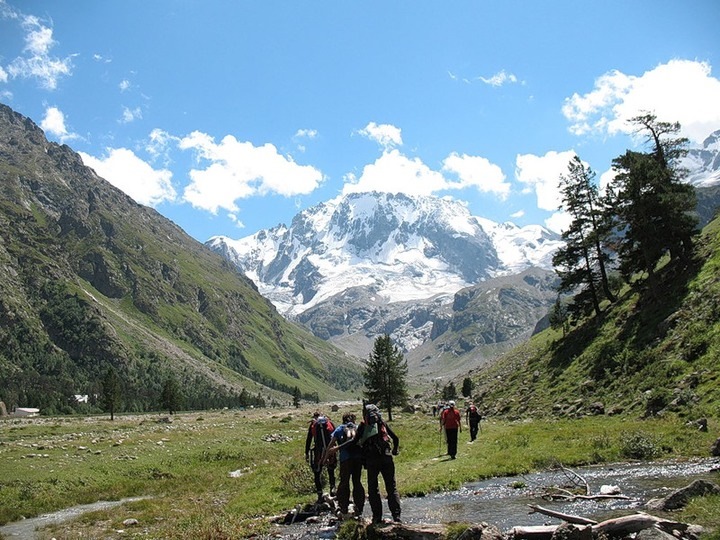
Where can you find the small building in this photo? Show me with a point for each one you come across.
(26, 411)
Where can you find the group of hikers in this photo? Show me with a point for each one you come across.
(369, 444)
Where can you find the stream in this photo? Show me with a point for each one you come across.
(499, 501)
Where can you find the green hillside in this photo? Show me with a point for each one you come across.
(90, 280)
(650, 354)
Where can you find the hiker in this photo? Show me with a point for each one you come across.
(450, 420)
(374, 436)
(472, 417)
(350, 456)
(318, 435)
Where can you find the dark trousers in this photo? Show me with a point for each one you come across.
(351, 469)
(451, 436)
(384, 466)
(317, 473)
(474, 430)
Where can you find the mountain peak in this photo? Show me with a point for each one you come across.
(403, 247)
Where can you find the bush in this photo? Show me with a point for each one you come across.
(639, 445)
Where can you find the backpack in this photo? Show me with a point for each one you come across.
(321, 429)
(375, 440)
(473, 413)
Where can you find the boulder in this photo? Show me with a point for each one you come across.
(680, 497)
(715, 448)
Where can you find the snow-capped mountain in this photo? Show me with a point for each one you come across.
(703, 163)
(397, 247)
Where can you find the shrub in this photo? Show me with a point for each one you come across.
(639, 445)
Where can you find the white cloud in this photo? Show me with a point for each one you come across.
(386, 135)
(159, 145)
(478, 172)
(237, 170)
(3, 75)
(500, 78)
(54, 124)
(542, 174)
(124, 85)
(680, 90)
(126, 171)
(558, 222)
(395, 173)
(36, 60)
(605, 179)
(130, 115)
(518, 214)
(306, 134)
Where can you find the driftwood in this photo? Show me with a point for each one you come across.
(578, 480)
(576, 520)
(617, 527)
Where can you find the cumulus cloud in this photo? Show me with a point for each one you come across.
(680, 90)
(542, 175)
(478, 172)
(126, 171)
(558, 222)
(394, 172)
(386, 135)
(53, 123)
(36, 60)
(3, 75)
(124, 85)
(235, 170)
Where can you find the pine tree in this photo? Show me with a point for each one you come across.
(170, 397)
(467, 387)
(112, 392)
(385, 375)
(651, 206)
(581, 264)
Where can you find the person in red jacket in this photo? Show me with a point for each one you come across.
(451, 423)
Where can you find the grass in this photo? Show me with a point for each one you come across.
(184, 467)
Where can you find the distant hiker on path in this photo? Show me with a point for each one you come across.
(450, 421)
(472, 417)
(343, 442)
(374, 436)
(317, 440)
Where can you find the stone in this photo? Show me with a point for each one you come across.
(715, 448)
(680, 497)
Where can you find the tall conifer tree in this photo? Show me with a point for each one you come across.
(581, 263)
(385, 375)
(651, 206)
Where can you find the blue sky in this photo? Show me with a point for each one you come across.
(231, 116)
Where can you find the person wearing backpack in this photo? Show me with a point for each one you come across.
(472, 417)
(317, 440)
(450, 421)
(374, 436)
(350, 457)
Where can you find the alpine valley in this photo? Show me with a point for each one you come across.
(91, 281)
(453, 290)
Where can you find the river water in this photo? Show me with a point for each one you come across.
(499, 501)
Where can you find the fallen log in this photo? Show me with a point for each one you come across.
(576, 520)
(635, 523)
(533, 532)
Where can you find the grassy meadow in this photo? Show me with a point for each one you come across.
(217, 475)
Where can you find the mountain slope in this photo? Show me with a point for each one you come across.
(90, 279)
(368, 264)
(648, 355)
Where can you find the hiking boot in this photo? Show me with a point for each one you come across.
(397, 519)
